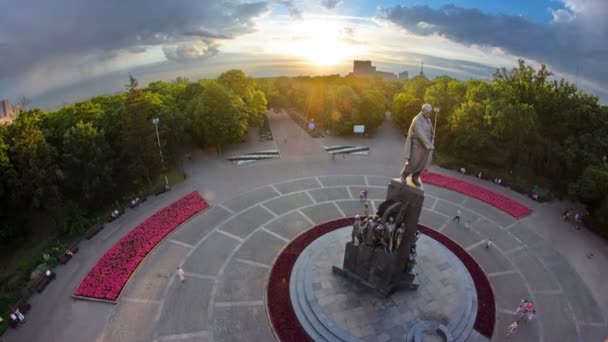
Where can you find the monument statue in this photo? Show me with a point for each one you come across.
(419, 146)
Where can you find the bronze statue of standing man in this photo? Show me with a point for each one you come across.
(418, 146)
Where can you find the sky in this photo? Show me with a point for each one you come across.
(60, 52)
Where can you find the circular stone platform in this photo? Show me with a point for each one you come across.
(333, 308)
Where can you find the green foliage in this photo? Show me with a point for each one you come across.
(138, 137)
(592, 186)
(405, 106)
(218, 116)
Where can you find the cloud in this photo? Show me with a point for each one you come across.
(293, 11)
(330, 4)
(190, 51)
(37, 31)
(576, 41)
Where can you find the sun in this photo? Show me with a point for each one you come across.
(320, 43)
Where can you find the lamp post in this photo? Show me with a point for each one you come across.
(436, 110)
(162, 160)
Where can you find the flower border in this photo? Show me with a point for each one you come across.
(284, 320)
(499, 201)
(107, 279)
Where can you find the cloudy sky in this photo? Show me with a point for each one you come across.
(56, 52)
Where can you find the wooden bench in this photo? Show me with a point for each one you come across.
(93, 230)
(162, 190)
(44, 281)
(65, 257)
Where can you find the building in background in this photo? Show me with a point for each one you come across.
(404, 75)
(366, 69)
(8, 111)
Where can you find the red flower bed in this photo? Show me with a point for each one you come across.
(501, 202)
(284, 319)
(109, 276)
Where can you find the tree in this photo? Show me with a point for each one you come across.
(139, 148)
(403, 109)
(373, 108)
(245, 88)
(218, 116)
(86, 164)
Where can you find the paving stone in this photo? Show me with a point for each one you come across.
(525, 333)
(287, 203)
(322, 212)
(499, 236)
(243, 224)
(431, 219)
(490, 259)
(509, 289)
(448, 195)
(260, 247)
(578, 294)
(537, 276)
(245, 201)
(429, 202)
(593, 333)
(241, 282)
(195, 229)
(236, 322)
(462, 235)
(342, 180)
(450, 209)
(186, 307)
(556, 318)
(131, 322)
(378, 181)
(297, 185)
(329, 194)
(152, 276)
(489, 211)
(289, 225)
(209, 257)
(373, 193)
(351, 208)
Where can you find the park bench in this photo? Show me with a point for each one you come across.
(120, 213)
(162, 190)
(44, 281)
(64, 257)
(93, 230)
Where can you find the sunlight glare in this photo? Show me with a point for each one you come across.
(321, 43)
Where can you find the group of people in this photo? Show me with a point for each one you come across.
(577, 218)
(135, 202)
(115, 214)
(16, 318)
(525, 312)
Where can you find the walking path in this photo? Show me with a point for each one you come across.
(226, 251)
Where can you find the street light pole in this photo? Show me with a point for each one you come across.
(436, 109)
(162, 160)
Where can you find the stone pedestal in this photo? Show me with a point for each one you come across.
(373, 266)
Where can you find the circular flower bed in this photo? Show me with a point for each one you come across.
(284, 319)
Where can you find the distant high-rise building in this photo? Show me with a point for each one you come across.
(8, 111)
(422, 69)
(404, 75)
(366, 69)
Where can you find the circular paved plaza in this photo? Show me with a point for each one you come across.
(228, 252)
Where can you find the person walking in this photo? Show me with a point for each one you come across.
(361, 196)
(181, 274)
(488, 244)
(365, 192)
(457, 217)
